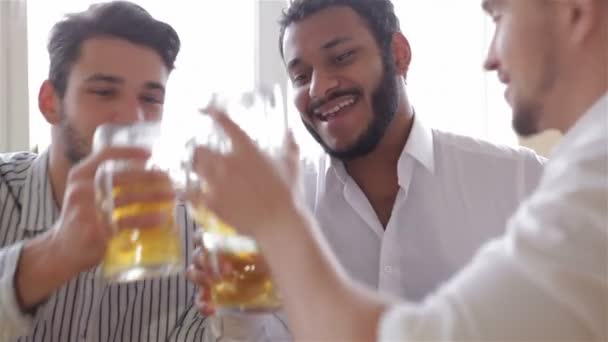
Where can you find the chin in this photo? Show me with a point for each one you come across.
(525, 123)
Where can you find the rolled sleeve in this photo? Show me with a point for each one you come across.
(13, 322)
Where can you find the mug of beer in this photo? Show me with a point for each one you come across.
(137, 252)
(249, 286)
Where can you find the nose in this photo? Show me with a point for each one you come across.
(321, 84)
(129, 111)
(491, 62)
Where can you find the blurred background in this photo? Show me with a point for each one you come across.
(233, 43)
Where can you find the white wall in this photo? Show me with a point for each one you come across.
(14, 118)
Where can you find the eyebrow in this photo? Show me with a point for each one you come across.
(335, 42)
(293, 63)
(155, 86)
(326, 46)
(105, 78)
(150, 85)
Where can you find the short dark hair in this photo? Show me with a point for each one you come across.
(379, 15)
(120, 19)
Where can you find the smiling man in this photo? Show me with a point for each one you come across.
(544, 279)
(108, 64)
(404, 206)
(393, 197)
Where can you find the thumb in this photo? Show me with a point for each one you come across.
(291, 158)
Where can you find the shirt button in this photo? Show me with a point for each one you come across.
(388, 269)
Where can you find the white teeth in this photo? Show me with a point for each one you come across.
(336, 108)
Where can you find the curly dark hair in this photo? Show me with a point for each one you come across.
(379, 15)
(120, 19)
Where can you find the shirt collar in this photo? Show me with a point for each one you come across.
(595, 115)
(419, 146)
(39, 209)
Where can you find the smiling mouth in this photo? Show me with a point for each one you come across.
(325, 113)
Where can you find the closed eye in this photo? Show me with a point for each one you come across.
(150, 99)
(345, 57)
(300, 79)
(103, 92)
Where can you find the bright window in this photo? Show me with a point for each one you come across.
(447, 83)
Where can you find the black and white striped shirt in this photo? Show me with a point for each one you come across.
(86, 308)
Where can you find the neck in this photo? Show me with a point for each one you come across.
(582, 85)
(383, 160)
(579, 101)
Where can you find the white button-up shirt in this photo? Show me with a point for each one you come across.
(455, 194)
(547, 278)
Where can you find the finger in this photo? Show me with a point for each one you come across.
(291, 157)
(208, 164)
(205, 263)
(81, 194)
(147, 205)
(197, 238)
(203, 306)
(291, 146)
(144, 199)
(144, 221)
(136, 177)
(240, 139)
(198, 277)
(89, 165)
(199, 258)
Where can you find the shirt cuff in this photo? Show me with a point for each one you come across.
(391, 327)
(247, 327)
(13, 321)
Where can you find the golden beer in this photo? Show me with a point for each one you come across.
(248, 285)
(142, 252)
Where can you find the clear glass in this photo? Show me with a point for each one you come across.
(136, 253)
(249, 287)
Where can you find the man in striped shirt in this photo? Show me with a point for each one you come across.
(106, 64)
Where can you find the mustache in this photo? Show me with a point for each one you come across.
(314, 104)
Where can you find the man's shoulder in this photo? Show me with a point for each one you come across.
(17, 157)
(459, 146)
(14, 166)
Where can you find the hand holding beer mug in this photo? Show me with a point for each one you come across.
(246, 284)
(137, 199)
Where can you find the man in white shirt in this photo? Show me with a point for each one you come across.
(546, 278)
(392, 196)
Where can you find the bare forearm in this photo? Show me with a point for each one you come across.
(39, 272)
(321, 301)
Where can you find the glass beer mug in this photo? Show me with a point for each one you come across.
(135, 253)
(249, 286)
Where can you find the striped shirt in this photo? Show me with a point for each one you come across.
(86, 308)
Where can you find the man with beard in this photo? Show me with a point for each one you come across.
(108, 64)
(544, 279)
(404, 207)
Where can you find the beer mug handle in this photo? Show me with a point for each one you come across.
(103, 193)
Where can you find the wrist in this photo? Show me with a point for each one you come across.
(289, 216)
(288, 222)
(40, 271)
